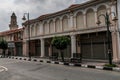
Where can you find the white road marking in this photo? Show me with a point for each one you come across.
(2, 68)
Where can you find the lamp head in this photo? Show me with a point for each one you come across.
(24, 18)
(114, 19)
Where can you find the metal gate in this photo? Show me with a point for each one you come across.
(94, 46)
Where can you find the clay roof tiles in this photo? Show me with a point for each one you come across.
(11, 31)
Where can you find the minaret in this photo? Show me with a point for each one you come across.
(13, 23)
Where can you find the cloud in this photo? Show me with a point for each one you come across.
(41, 6)
(34, 7)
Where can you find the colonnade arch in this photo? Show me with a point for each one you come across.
(51, 26)
(65, 23)
(45, 28)
(90, 16)
(79, 20)
(101, 10)
(57, 25)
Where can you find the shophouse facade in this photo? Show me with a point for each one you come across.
(79, 23)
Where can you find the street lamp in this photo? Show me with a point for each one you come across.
(107, 22)
(28, 23)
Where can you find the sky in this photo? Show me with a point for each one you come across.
(34, 7)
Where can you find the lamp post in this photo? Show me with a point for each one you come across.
(28, 23)
(107, 22)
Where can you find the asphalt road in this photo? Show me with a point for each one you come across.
(25, 70)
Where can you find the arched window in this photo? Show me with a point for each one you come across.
(51, 26)
(90, 15)
(45, 28)
(57, 25)
(101, 10)
(41, 28)
(37, 29)
(32, 30)
(65, 23)
(79, 20)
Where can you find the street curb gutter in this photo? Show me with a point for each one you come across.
(70, 64)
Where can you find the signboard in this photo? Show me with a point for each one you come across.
(11, 45)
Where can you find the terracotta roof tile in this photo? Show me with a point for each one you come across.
(73, 5)
(11, 31)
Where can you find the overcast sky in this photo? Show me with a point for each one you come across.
(34, 7)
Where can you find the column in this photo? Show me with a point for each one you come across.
(118, 45)
(118, 26)
(78, 45)
(50, 50)
(25, 48)
(116, 34)
(73, 44)
(115, 47)
(42, 47)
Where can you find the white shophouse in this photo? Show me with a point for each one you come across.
(79, 23)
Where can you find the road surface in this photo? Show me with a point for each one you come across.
(29, 70)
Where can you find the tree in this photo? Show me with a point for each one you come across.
(3, 46)
(61, 43)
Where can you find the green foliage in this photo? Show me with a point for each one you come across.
(61, 42)
(3, 44)
(112, 65)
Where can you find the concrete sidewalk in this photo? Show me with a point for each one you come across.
(84, 64)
